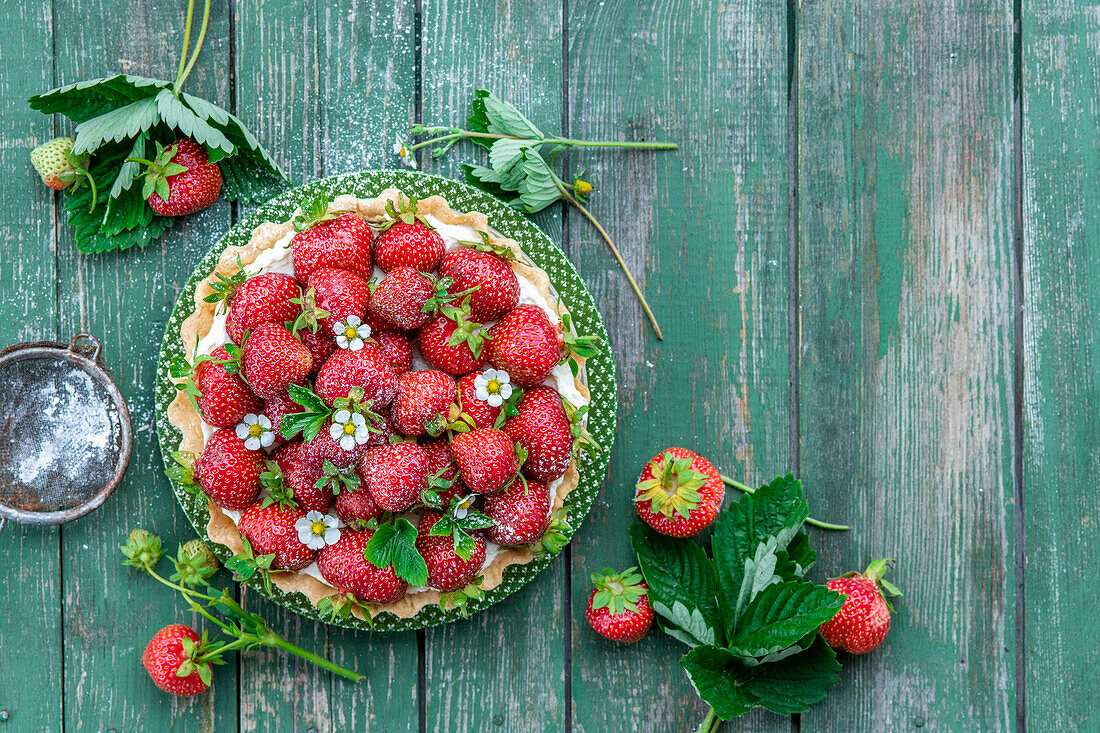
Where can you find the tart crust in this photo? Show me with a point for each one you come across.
(182, 414)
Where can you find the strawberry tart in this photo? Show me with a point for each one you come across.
(383, 405)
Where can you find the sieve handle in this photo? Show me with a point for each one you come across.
(79, 346)
(3, 521)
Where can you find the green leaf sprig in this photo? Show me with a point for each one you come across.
(518, 170)
(745, 609)
(124, 119)
(194, 565)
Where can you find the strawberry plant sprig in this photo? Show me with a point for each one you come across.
(194, 564)
(135, 135)
(745, 610)
(518, 170)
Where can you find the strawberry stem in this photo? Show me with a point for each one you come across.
(710, 723)
(273, 639)
(809, 520)
(185, 71)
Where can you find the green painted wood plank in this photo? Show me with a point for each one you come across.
(30, 674)
(124, 299)
(905, 263)
(705, 228)
(1061, 266)
(503, 669)
(326, 87)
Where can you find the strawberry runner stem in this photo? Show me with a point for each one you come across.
(710, 723)
(186, 65)
(809, 520)
(457, 134)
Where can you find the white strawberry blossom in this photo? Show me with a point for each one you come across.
(315, 530)
(493, 387)
(463, 507)
(255, 431)
(351, 334)
(406, 155)
(349, 428)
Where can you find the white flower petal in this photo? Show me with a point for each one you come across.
(342, 416)
(267, 439)
(339, 327)
(355, 344)
(502, 376)
(357, 419)
(302, 523)
(363, 331)
(305, 536)
(263, 422)
(251, 419)
(505, 390)
(335, 431)
(494, 400)
(460, 512)
(331, 521)
(241, 431)
(252, 443)
(331, 536)
(481, 381)
(354, 321)
(362, 434)
(315, 542)
(481, 392)
(342, 341)
(314, 516)
(347, 442)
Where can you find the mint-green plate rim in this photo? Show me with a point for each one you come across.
(541, 250)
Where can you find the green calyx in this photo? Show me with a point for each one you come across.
(337, 480)
(311, 314)
(246, 564)
(277, 490)
(487, 245)
(875, 572)
(440, 298)
(183, 469)
(341, 605)
(583, 442)
(315, 211)
(159, 170)
(458, 522)
(142, 549)
(194, 563)
(673, 488)
(198, 658)
(459, 598)
(618, 592)
(224, 287)
(404, 211)
(556, 537)
(578, 348)
(466, 331)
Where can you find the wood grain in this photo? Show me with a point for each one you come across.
(705, 228)
(30, 593)
(1061, 402)
(504, 669)
(325, 88)
(905, 265)
(124, 299)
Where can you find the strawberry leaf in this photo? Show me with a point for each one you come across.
(116, 126)
(394, 544)
(308, 423)
(781, 615)
(93, 97)
(788, 686)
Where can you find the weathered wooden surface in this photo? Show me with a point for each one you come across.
(904, 418)
(1061, 396)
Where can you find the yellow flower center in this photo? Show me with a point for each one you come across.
(318, 528)
(255, 431)
(493, 386)
(349, 429)
(350, 332)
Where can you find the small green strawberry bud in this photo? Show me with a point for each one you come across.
(582, 187)
(142, 549)
(203, 555)
(52, 161)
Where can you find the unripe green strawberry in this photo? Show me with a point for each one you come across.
(54, 162)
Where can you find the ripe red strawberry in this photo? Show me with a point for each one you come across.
(423, 401)
(300, 475)
(270, 530)
(278, 407)
(56, 164)
(331, 240)
(345, 567)
(224, 399)
(863, 621)
(395, 474)
(273, 359)
(339, 293)
(173, 649)
(526, 345)
(521, 513)
(356, 507)
(480, 411)
(497, 286)
(266, 298)
(367, 368)
(447, 571)
(403, 298)
(678, 493)
(442, 470)
(486, 458)
(544, 431)
(321, 346)
(397, 349)
(228, 472)
(181, 179)
(407, 240)
(452, 343)
(378, 324)
(619, 606)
